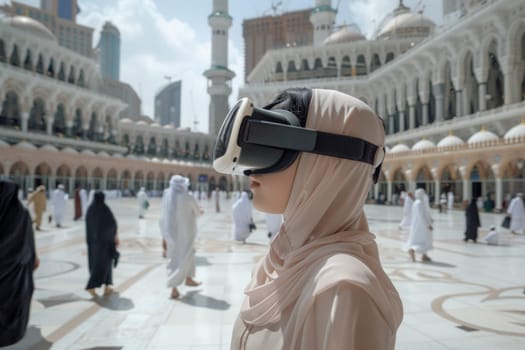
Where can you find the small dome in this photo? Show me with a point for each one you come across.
(3, 144)
(346, 34)
(401, 147)
(516, 132)
(117, 155)
(403, 23)
(87, 152)
(168, 126)
(423, 144)
(103, 154)
(30, 26)
(125, 120)
(131, 156)
(156, 125)
(450, 140)
(155, 159)
(50, 148)
(25, 145)
(142, 122)
(482, 136)
(69, 150)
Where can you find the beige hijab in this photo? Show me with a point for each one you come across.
(325, 217)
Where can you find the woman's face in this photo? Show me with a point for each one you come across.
(271, 191)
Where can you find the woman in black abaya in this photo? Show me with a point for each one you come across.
(102, 240)
(18, 260)
(473, 223)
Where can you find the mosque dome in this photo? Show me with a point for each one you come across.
(88, 152)
(117, 155)
(347, 34)
(404, 23)
(168, 126)
(155, 125)
(69, 150)
(450, 140)
(423, 144)
(482, 136)
(125, 120)
(103, 154)
(48, 147)
(516, 132)
(400, 147)
(142, 122)
(30, 26)
(25, 145)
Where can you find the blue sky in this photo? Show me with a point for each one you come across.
(172, 38)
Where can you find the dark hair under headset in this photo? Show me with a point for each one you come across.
(295, 100)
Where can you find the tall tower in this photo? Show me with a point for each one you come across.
(323, 19)
(65, 9)
(109, 52)
(219, 76)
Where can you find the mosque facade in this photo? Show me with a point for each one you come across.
(452, 97)
(56, 125)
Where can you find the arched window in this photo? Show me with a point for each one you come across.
(10, 111)
(15, 60)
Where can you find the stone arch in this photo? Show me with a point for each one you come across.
(150, 181)
(451, 180)
(375, 62)
(139, 180)
(482, 179)
(42, 173)
(62, 176)
(59, 121)
(161, 181)
(28, 60)
(37, 120)
(112, 179)
(125, 181)
(425, 179)
(513, 178)
(361, 66)
(399, 179)
(81, 177)
(97, 178)
(14, 60)
(449, 92)
(346, 66)
(19, 174)
(389, 56)
(495, 78)
(10, 115)
(39, 66)
(3, 56)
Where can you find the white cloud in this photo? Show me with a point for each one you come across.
(152, 47)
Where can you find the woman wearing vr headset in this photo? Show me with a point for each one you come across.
(321, 284)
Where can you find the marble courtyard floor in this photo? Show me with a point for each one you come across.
(469, 297)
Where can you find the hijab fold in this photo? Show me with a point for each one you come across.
(324, 223)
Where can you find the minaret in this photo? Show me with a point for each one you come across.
(323, 19)
(219, 76)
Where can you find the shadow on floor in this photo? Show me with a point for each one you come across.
(32, 340)
(196, 299)
(114, 302)
(202, 261)
(438, 264)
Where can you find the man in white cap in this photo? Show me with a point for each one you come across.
(516, 211)
(58, 203)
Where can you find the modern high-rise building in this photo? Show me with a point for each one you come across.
(125, 93)
(65, 9)
(70, 34)
(274, 32)
(109, 52)
(167, 104)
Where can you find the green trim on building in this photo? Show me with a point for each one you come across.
(323, 8)
(220, 14)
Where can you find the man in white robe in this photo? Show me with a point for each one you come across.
(450, 200)
(407, 210)
(58, 203)
(83, 201)
(516, 211)
(142, 198)
(420, 237)
(242, 218)
(178, 224)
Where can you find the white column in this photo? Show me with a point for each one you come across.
(401, 120)
(412, 117)
(499, 193)
(466, 189)
(459, 100)
(482, 96)
(437, 190)
(389, 191)
(25, 119)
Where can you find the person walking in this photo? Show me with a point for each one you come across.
(420, 237)
(18, 261)
(178, 224)
(443, 203)
(408, 201)
(450, 200)
(83, 202)
(78, 206)
(320, 285)
(242, 218)
(58, 203)
(102, 242)
(39, 201)
(217, 199)
(142, 198)
(473, 222)
(516, 211)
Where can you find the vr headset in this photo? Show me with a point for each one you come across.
(259, 141)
